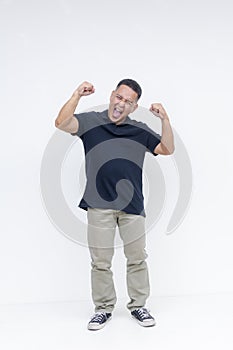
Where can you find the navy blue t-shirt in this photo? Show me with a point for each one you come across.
(114, 156)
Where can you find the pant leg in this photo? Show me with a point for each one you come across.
(101, 233)
(132, 232)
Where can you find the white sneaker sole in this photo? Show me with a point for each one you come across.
(95, 327)
(149, 323)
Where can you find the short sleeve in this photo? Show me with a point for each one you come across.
(85, 121)
(153, 139)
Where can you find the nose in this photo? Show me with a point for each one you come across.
(121, 102)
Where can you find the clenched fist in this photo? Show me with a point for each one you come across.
(84, 89)
(158, 110)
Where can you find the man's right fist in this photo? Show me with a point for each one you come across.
(84, 89)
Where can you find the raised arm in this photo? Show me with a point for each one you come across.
(166, 145)
(65, 120)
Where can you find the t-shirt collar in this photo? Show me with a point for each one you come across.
(126, 121)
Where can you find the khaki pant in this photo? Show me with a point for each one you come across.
(101, 233)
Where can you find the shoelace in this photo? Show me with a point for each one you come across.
(98, 317)
(143, 314)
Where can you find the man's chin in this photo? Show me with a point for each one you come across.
(115, 119)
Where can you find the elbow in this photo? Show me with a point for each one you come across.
(56, 123)
(171, 150)
(168, 151)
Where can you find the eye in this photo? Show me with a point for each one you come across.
(119, 97)
(129, 103)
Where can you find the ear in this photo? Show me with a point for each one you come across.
(135, 107)
(112, 94)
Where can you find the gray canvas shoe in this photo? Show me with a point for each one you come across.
(99, 320)
(143, 317)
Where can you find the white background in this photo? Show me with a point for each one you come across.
(181, 54)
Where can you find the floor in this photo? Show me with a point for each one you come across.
(185, 322)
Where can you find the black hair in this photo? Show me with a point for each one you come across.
(132, 84)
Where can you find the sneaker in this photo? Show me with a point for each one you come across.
(99, 320)
(143, 317)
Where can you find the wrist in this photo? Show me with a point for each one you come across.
(75, 98)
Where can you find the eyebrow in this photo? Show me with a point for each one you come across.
(126, 99)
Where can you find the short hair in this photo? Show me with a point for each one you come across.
(132, 84)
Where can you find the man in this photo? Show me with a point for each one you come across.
(115, 147)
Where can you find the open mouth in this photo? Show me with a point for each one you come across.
(117, 113)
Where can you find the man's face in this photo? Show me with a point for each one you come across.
(123, 101)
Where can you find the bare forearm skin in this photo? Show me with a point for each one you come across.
(65, 116)
(167, 138)
(65, 119)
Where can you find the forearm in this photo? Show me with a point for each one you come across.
(66, 113)
(167, 137)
